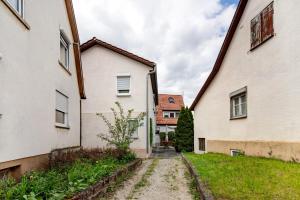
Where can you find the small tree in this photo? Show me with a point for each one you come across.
(184, 133)
(121, 130)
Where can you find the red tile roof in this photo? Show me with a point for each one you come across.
(165, 105)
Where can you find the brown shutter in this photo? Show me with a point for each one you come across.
(267, 22)
(256, 31)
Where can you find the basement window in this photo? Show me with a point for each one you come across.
(235, 152)
(201, 144)
(238, 104)
(262, 26)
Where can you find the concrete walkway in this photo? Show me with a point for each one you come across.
(164, 152)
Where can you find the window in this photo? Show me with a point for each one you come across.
(235, 152)
(201, 144)
(64, 51)
(123, 85)
(262, 26)
(177, 114)
(171, 100)
(61, 114)
(133, 122)
(18, 5)
(170, 114)
(166, 115)
(238, 101)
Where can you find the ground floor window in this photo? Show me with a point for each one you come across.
(61, 110)
(201, 144)
(238, 104)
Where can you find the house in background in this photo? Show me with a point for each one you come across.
(251, 100)
(167, 113)
(112, 74)
(41, 82)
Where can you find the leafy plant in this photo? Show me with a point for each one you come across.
(120, 131)
(162, 136)
(184, 133)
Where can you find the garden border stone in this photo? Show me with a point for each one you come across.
(204, 192)
(101, 187)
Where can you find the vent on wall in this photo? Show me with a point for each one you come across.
(201, 144)
(235, 152)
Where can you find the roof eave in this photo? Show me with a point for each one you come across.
(233, 26)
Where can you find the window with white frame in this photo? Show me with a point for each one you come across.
(18, 5)
(131, 123)
(61, 110)
(123, 85)
(64, 50)
(171, 114)
(238, 101)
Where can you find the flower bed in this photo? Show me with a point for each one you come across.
(63, 181)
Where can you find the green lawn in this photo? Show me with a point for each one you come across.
(244, 177)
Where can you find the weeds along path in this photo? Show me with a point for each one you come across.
(158, 179)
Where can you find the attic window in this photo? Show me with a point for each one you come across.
(262, 26)
(171, 100)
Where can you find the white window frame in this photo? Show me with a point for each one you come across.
(66, 114)
(235, 152)
(20, 10)
(66, 44)
(237, 95)
(117, 89)
(168, 113)
(135, 135)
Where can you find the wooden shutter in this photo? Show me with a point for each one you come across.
(267, 22)
(256, 31)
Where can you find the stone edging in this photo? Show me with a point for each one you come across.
(100, 187)
(204, 192)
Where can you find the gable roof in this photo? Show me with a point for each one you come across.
(94, 41)
(233, 26)
(165, 105)
(76, 47)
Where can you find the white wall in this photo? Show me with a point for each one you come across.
(100, 68)
(271, 73)
(29, 76)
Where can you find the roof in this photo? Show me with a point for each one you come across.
(233, 26)
(94, 41)
(165, 105)
(76, 47)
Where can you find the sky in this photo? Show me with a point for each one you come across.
(182, 37)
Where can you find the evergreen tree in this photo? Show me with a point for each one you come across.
(184, 133)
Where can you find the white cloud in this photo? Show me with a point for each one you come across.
(182, 37)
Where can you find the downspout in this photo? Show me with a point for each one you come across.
(80, 129)
(147, 106)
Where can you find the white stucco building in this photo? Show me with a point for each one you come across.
(40, 82)
(112, 74)
(250, 101)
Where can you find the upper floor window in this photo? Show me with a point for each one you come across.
(171, 100)
(123, 85)
(171, 114)
(18, 5)
(262, 26)
(61, 110)
(64, 58)
(238, 101)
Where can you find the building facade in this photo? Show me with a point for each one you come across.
(250, 101)
(113, 75)
(167, 113)
(40, 81)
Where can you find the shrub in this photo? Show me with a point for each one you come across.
(171, 136)
(121, 130)
(184, 133)
(162, 136)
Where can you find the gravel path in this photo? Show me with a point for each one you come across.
(167, 182)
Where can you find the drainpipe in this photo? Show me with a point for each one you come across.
(80, 131)
(147, 106)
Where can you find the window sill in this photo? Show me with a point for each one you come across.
(62, 126)
(239, 117)
(19, 17)
(124, 95)
(65, 68)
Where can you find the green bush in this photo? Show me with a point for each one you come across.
(162, 136)
(171, 136)
(61, 182)
(184, 133)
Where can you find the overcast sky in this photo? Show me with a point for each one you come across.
(182, 37)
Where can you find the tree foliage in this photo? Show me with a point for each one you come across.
(184, 133)
(121, 130)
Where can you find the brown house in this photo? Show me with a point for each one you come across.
(167, 112)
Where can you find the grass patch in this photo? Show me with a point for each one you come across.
(60, 182)
(244, 177)
(144, 180)
(192, 186)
